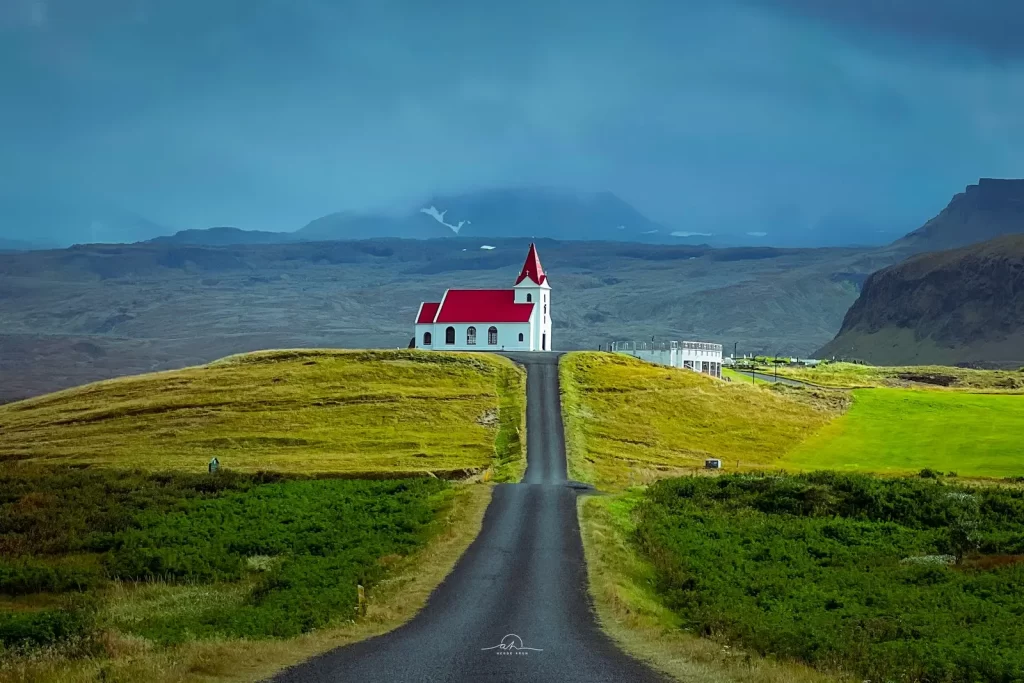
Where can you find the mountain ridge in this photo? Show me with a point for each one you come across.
(983, 211)
(958, 306)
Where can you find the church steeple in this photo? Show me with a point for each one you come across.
(532, 268)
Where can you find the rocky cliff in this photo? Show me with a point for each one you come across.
(989, 209)
(957, 306)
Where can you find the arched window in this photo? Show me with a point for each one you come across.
(529, 298)
(470, 335)
(449, 335)
(492, 335)
(426, 339)
(520, 336)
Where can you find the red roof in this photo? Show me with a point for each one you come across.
(482, 306)
(532, 268)
(427, 312)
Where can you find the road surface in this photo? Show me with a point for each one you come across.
(522, 583)
(761, 377)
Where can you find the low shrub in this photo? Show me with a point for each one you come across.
(19, 630)
(316, 540)
(845, 571)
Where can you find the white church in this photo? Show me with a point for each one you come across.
(517, 319)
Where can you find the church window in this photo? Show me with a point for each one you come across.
(449, 335)
(492, 335)
(520, 336)
(470, 335)
(529, 298)
(426, 339)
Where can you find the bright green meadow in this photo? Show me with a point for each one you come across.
(901, 430)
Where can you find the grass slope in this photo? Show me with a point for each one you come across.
(628, 421)
(352, 412)
(900, 430)
(852, 375)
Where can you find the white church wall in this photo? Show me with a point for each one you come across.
(508, 337)
(421, 329)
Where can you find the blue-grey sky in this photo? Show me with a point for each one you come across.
(701, 113)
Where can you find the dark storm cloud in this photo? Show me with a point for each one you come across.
(992, 28)
(268, 114)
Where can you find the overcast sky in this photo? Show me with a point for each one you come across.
(266, 114)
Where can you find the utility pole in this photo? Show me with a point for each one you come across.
(776, 367)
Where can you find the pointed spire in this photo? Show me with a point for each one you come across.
(532, 268)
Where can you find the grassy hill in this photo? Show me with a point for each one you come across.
(122, 559)
(628, 421)
(853, 376)
(351, 413)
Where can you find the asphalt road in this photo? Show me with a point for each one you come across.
(521, 582)
(761, 377)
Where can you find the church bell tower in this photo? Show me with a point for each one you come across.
(532, 286)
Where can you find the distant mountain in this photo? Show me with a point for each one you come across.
(519, 212)
(56, 221)
(958, 306)
(989, 209)
(346, 225)
(555, 214)
(225, 236)
(18, 245)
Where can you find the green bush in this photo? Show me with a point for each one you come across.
(844, 572)
(326, 536)
(27, 629)
(24, 576)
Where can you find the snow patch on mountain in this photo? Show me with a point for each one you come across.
(439, 217)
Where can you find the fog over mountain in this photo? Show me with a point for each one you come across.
(754, 121)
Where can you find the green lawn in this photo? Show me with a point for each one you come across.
(900, 430)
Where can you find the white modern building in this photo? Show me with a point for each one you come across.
(697, 356)
(516, 319)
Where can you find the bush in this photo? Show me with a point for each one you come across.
(24, 576)
(927, 473)
(39, 629)
(318, 538)
(836, 570)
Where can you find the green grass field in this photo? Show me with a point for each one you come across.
(313, 411)
(629, 422)
(901, 430)
(851, 375)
